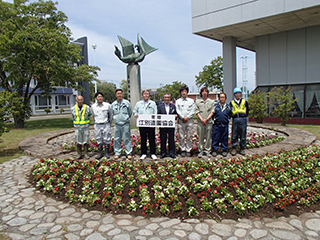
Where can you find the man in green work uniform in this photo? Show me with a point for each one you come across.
(204, 111)
(81, 118)
(122, 110)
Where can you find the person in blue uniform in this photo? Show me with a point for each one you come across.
(220, 129)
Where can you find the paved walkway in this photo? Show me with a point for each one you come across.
(25, 213)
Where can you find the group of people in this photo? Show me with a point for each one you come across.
(212, 127)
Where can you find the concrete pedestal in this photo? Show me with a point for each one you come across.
(134, 87)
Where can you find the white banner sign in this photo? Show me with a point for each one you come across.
(156, 120)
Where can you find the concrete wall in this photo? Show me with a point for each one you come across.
(291, 57)
(209, 14)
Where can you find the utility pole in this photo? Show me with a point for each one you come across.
(244, 77)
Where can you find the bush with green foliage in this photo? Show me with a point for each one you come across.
(281, 102)
(61, 110)
(258, 105)
(47, 110)
(10, 104)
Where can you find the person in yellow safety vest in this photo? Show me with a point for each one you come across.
(81, 118)
(239, 114)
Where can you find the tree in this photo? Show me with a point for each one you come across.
(35, 45)
(124, 87)
(173, 89)
(211, 75)
(9, 104)
(108, 89)
(281, 102)
(258, 105)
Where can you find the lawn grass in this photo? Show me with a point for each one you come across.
(315, 129)
(9, 141)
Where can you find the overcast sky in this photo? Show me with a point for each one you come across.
(164, 24)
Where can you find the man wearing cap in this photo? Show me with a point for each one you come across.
(102, 115)
(240, 111)
(146, 106)
(185, 109)
(220, 131)
(81, 118)
(203, 109)
(122, 110)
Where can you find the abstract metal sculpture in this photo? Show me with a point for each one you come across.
(133, 68)
(128, 53)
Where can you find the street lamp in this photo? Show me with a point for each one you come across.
(94, 46)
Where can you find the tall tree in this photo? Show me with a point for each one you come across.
(124, 87)
(35, 45)
(211, 75)
(108, 89)
(173, 89)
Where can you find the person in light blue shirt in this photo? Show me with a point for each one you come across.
(185, 109)
(122, 111)
(146, 106)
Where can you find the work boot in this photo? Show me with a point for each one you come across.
(86, 146)
(224, 154)
(242, 152)
(79, 153)
(233, 152)
(106, 151)
(100, 148)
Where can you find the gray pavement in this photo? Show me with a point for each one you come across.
(25, 213)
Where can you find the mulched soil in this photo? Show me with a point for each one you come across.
(267, 211)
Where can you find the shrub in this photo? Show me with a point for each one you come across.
(47, 110)
(61, 110)
(258, 105)
(282, 103)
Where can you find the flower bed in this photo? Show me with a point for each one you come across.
(196, 188)
(253, 140)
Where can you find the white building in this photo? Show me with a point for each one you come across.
(285, 34)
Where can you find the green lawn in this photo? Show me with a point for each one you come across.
(9, 141)
(315, 129)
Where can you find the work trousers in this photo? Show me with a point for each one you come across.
(204, 131)
(122, 131)
(102, 133)
(239, 130)
(167, 133)
(220, 136)
(82, 134)
(185, 132)
(147, 132)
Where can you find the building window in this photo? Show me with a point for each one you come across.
(312, 101)
(62, 100)
(42, 102)
(298, 93)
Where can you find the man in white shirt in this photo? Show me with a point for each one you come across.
(185, 109)
(102, 115)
